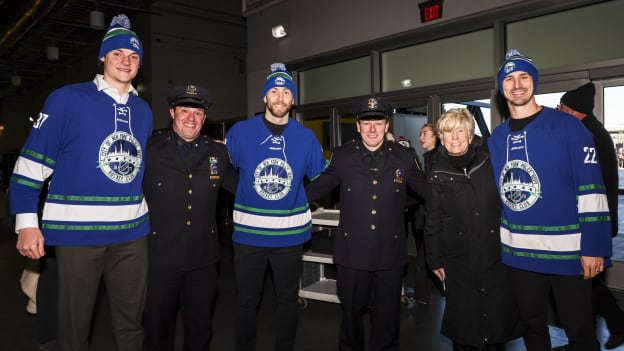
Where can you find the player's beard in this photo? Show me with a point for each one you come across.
(281, 113)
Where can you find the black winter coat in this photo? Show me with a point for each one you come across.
(608, 166)
(463, 212)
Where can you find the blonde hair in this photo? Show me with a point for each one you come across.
(456, 118)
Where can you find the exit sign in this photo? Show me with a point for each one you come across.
(430, 10)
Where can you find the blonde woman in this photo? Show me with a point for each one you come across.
(462, 239)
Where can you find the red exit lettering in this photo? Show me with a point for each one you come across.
(432, 12)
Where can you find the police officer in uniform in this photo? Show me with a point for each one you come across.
(184, 172)
(370, 250)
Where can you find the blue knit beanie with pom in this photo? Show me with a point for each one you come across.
(280, 78)
(515, 61)
(119, 36)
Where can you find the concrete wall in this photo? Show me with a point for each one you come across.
(203, 43)
(323, 26)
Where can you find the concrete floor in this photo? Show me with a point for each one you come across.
(317, 330)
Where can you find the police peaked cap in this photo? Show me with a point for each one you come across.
(372, 108)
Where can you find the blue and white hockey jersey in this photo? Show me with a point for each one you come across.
(554, 204)
(271, 208)
(92, 148)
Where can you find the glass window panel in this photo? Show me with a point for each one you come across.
(485, 110)
(336, 81)
(409, 125)
(463, 57)
(613, 108)
(551, 99)
(577, 36)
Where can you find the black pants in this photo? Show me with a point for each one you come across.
(379, 291)
(250, 264)
(491, 347)
(47, 296)
(572, 296)
(193, 293)
(606, 306)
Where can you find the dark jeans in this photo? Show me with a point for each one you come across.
(124, 269)
(250, 264)
(379, 291)
(572, 296)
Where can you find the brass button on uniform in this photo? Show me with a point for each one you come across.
(190, 207)
(374, 197)
(159, 184)
(190, 191)
(154, 233)
(188, 223)
(190, 175)
(373, 227)
(375, 182)
(374, 212)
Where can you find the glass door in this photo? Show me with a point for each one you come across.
(610, 104)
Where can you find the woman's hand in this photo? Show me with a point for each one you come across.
(440, 274)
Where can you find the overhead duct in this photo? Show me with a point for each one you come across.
(25, 23)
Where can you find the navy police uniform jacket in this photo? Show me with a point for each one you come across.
(182, 197)
(371, 233)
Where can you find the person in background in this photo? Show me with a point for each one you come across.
(580, 104)
(462, 239)
(429, 141)
(184, 172)
(90, 140)
(555, 227)
(370, 246)
(272, 219)
(416, 283)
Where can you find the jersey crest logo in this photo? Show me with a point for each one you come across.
(273, 179)
(120, 157)
(519, 185)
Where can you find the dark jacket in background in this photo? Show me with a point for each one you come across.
(608, 165)
(463, 211)
(427, 158)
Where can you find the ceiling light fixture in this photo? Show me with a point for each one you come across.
(16, 80)
(52, 53)
(279, 31)
(96, 19)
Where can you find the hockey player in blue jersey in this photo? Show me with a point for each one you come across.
(90, 141)
(555, 227)
(273, 154)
